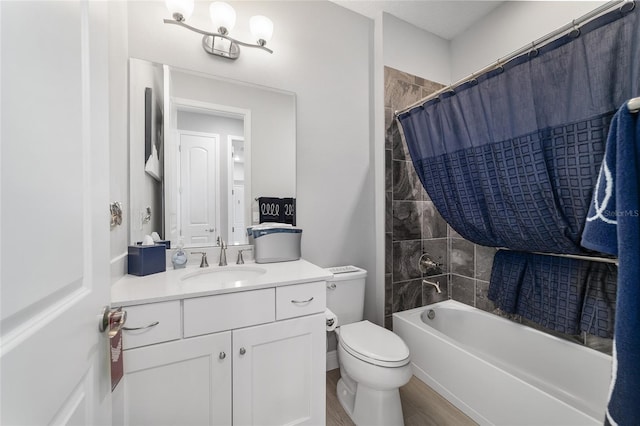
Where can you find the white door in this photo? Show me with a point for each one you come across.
(279, 373)
(54, 218)
(199, 188)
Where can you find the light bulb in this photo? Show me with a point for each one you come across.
(181, 10)
(223, 16)
(261, 28)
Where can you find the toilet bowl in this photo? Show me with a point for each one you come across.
(374, 363)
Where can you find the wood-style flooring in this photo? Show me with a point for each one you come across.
(421, 406)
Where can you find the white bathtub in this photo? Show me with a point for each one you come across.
(503, 373)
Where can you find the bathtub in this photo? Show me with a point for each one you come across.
(502, 373)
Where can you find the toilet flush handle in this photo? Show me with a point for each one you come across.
(331, 286)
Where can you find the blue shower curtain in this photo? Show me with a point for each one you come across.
(511, 158)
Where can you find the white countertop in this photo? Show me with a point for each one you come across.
(134, 290)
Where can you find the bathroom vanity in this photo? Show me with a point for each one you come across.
(228, 345)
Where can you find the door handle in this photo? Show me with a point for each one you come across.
(118, 315)
(153, 324)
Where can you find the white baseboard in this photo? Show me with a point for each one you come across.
(332, 360)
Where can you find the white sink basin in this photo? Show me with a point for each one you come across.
(223, 275)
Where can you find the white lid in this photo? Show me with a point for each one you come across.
(349, 272)
(373, 343)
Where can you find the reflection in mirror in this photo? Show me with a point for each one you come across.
(225, 143)
(210, 178)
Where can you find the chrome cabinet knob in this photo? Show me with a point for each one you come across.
(243, 351)
(222, 355)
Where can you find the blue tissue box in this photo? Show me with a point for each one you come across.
(146, 260)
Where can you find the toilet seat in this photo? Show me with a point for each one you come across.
(374, 344)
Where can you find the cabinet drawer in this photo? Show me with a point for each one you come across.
(167, 314)
(211, 314)
(300, 299)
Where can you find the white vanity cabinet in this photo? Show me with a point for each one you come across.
(184, 382)
(279, 373)
(253, 357)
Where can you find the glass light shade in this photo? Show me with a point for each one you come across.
(261, 27)
(222, 15)
(180, 7)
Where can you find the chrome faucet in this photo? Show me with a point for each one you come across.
(223, 253)
(203, 262)
(240, 260)
(436, 285)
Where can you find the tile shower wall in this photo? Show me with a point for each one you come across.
(414, 227)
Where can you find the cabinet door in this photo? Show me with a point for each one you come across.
(186, 382)
(279, 373)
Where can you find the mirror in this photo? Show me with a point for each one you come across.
(202, 150)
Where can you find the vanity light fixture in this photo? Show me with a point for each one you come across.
(223, 18)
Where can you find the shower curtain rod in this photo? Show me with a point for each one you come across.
(550, 36)
(574, 256)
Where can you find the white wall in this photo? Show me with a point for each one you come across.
(206, 123)
(330, 72)
(411, 49)
(509, 27)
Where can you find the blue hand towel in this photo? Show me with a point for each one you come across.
(613, 226)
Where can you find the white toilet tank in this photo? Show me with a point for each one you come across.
(345, 293)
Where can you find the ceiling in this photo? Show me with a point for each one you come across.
(446, 19)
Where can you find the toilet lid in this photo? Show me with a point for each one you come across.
(374, 344)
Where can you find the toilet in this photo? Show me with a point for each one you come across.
(374, 362)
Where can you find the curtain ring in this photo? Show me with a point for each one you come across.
(534, 51)
(628, 6)
(575, 32)
(499, 66)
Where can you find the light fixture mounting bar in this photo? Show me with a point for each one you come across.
(214, 36)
